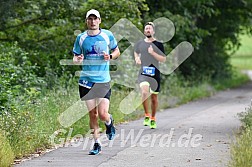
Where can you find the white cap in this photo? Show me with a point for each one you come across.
(94, 12)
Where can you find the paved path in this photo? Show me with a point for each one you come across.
(195, 134)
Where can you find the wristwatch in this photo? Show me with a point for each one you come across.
(110, 56)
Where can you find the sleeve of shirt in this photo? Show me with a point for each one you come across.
(77, 47)
(112, 41)
(160, 49)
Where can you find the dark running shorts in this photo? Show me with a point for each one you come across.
(98, 90)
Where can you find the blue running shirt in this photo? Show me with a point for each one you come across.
(94, 67)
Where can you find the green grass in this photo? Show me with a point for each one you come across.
(246, 47)
(6, 154)
(242, 59)
(242, 62)
(241, 150)
(181, 94)
(236, 80)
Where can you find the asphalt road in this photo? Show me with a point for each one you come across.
(195, 134)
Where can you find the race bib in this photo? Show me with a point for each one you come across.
(148, 70)
(86, 84)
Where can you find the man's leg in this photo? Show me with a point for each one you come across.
(103, 107)
(93, 117)
(154, 105)
(93, 122)
(154, 90)
(145, 95)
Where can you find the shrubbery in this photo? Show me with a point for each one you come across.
(19, 87)
(17, 76)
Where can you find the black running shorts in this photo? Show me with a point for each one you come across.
(98, 90)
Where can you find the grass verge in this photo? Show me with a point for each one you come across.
(241, 150)
(6, 154)
(242, 62)
(242, 58)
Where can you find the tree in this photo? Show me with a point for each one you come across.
(210, 26)
(46, 28)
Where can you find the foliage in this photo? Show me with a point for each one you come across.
(43, 28)
(235, 80)
(37, 23)
(17, 75)
(46, 28)
(47, 33)
(241, 150)
(19, 88)
(209, 25)
(17, 125)
(6, 154)
(246, 117)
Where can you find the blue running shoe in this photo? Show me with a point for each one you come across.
(110, 129)
(96, 149)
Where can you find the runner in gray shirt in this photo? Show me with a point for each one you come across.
(148, 53)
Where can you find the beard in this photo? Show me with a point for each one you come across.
(148, 36)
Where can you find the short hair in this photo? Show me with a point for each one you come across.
(150, 23)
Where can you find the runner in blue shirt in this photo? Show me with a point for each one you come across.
(92, 50)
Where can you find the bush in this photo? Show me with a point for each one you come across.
(17, 75)
(19, 87)
(246, 117)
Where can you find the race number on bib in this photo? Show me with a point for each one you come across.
(148, 70)
(86, 84)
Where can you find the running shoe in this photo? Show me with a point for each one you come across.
(96, 149)
(146, 121)
(110, 129)
(153, 124)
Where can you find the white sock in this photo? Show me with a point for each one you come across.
(97, 141)
(108, 122)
